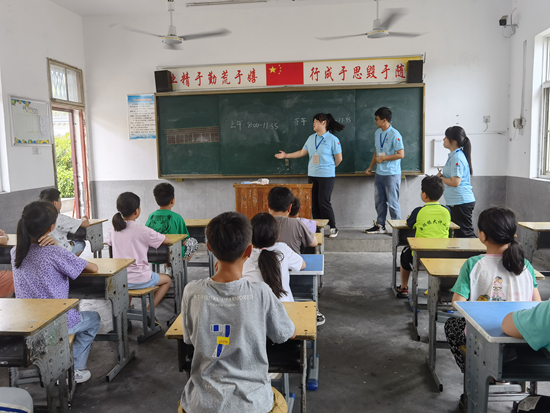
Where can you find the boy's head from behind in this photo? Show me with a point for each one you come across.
(433, 188)
(280, 199)
(164, 194)
(51, 195)
(229, 235)
(295, 209)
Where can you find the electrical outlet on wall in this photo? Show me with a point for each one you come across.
(486, 119)
(35, 150)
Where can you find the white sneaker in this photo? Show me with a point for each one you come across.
(82, 376)
(333, 233)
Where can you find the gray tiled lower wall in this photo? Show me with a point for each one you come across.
(352, 198)
(11, 205)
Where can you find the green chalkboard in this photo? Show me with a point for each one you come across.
(238, 134)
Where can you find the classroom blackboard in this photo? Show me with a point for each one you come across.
(238, 134)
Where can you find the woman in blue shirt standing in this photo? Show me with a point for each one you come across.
(456, 177)
(325, 154)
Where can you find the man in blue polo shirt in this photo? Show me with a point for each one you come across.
(387, 156)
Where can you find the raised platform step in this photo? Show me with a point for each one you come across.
(355, 240)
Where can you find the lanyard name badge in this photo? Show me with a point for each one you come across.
(382, 142)
(315, 158)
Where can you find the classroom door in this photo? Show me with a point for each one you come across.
(71, 161)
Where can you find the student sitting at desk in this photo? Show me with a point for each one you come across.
(41, 269)
(6, 277)
(131, 240)
(532, 325)
(292, 232)
(503, 274)
(430, 221)
(227, 318)
(270, 260)
(166, 221)
(65, 224)
(296, 209)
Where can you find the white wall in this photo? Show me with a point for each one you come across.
(30, 32)
(466, 69)
(533, 19)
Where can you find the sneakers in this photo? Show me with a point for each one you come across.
(376, 229)
(82, 376)
(320, 319)
(333, 233)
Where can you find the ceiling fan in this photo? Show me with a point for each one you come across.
(380, 28)
(171, 39)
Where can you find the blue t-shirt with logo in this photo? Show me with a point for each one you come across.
(326, 146)
(388, 142)
(457, 165)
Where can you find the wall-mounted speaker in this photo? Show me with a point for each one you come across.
(163, 81)
(414, 71)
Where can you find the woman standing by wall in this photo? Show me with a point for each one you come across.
(456, 175)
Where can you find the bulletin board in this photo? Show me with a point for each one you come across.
(31, 122)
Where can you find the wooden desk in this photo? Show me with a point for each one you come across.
(110, 282)
(170, 254)
(534, 236)
(94, 234)
(321, 224)
(34, 331)
(302, 314)
(399, 235)
(440, 271)
(305, 285)
(252, 199)
(485, 346)
(438, 248)
(197, 230)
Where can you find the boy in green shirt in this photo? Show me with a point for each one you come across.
(430, 221)
(165, 221)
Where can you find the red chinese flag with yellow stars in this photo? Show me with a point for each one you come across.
(278, 74)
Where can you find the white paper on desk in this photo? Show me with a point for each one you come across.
(529, 403)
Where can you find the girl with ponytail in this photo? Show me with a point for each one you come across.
(131, 240)
(325, 154)
(456, 175)
(42, 269)
(270, 260)
(503, 274)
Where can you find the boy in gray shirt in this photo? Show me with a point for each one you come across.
(227, 318)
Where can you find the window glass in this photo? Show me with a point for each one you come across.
(59, 82)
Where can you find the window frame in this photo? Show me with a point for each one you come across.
(68, 104)
(544, 170)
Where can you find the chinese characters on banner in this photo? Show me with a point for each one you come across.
(328, 72)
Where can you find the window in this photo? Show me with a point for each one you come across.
(545, 131)
(65, 83)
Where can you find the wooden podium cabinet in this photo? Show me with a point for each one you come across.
(251, 199)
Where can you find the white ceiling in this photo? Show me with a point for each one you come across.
(142, 7)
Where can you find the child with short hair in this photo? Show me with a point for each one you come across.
(227, 318)
(430, 221)
(291, 231)
(295, 209)
(270, 260)
(42, 269)
(503, 274)
(166, 221)
(131, 240)
(65, 224)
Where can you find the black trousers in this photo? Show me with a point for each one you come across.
(320, 194)
(461, 215)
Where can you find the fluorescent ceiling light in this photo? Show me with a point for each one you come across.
(223, 2)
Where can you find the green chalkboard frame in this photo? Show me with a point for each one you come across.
(283, 89)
